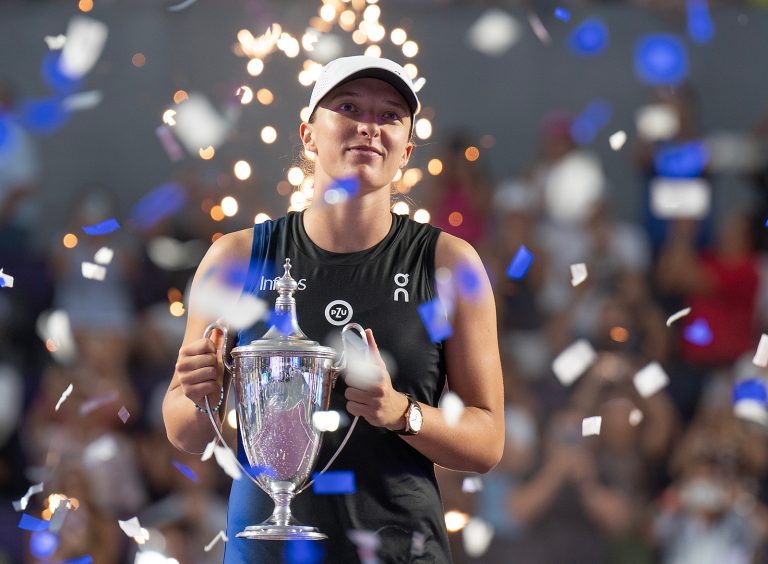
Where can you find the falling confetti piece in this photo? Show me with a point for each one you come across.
(123, 414)
(538, 28)
(63, 397)
(85, 41)
(181, 6)
(435, 319)
(681, 160)
(6, 280)
(452, 408)
(238, 310)
(303, 552)
(562, 14)
(188, 472)
(334, 482)
(617, 140)
(698, 332)
(171, 147)
(199, 124)
(226, 460)
(520, 263)
(21, 504)
(635, 417)
(55, 42)
(92, 404)
(87, 559)
(57, 520)
(418, 540)
(107, 226)
(578, 273)
(678, 315)
(700, 26)
(476, 537)
(43, 544)
(591, 426)
(93, 271)
(220, 536)
(749, 400)
(650, 379)
(367, 542)
(573, 362)
(162, 202)
(685, 198)
(104, 255)
(761, 356)
(326, 420)
(661, 60)
(472, 484)
(132, 528)
(29, 523)
(494, 32)
(589, 38)
(208, 452)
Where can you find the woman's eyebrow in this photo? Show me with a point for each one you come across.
(354, 94)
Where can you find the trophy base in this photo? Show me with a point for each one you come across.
(281, 532)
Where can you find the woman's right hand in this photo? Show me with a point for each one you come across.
(199, 371)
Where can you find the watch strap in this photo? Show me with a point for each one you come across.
(412, 404)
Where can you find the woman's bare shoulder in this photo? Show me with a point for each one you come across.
(235, 246)
(451, 251)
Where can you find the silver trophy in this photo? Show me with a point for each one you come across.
(281, 381)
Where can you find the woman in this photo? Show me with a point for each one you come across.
(382, 267)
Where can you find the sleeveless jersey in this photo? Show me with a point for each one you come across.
(396, 494)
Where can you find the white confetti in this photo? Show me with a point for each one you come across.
(573, 362)
(169, 143)
(221, 535)
(591, 426)
(678, 315)
(55, 331)
(650, 379)
(417, 543)
(238, 310)
(452, 408)
(6, 280)
(133, 529)
(326, 420)
(93, 271)
(123, 414)
(181, 6)
(419, 83)
(578, 273)
(617, 140)
(208, 452)
(94, 403)
(687, 198)
(751, 410)
(494, 32)
(55, 42)
(100, 450)
(226, 460)
(657, 122)
(82, 101)
(472, 484)
(538, 28)
(199, 124)
(635, 417)
(761, 356)
(367, 543)
(476, 537)
(57, 520)
(104, 256)
(21, 504)
(85, 41)
(64, 396)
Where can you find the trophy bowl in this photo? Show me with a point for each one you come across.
(281, 381)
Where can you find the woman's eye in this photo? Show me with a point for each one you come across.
(391, 116)
(346, 107)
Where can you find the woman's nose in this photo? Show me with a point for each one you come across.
(368, 126)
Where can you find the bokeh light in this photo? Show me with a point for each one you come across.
(268, 134)
(435, 167)
(242, 170)
(229, 206)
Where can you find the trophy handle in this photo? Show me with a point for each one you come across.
(225, 346)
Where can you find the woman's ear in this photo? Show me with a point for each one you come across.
(307, 138)
(406, 155)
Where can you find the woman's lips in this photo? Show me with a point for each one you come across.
(362, 149)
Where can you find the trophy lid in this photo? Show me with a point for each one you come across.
(285, 336)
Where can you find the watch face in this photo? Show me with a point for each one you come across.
(415, 419)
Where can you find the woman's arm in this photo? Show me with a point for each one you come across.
(199, 371)
(474, 374)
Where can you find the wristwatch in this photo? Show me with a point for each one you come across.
(413, 417)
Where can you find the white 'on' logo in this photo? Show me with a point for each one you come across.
(402, 281)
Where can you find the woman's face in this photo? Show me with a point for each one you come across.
(361, 129)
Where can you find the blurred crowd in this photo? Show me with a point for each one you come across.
(677, 476)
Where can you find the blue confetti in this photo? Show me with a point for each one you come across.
(334, 482)
(681, 160)
(56, 79)
(750, 389)
(87, 559)
(6, 139)
(698, 333)
(661, 59)
(42, 116)
(42, 544)
(29, 523)
(587, 124)
(281, 320)
(562, 14)
(467, 281)
(350, 185)
(303, 552)
(433, 315)
(2, 282)
(260, 469)
(700, 26)
(520, 263)
(188, 472)
(766, 223)
(589, 38)
(107, 226)
(158, 204)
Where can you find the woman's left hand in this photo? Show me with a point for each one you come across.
(370, 394)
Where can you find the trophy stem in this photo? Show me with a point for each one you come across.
(282, 514)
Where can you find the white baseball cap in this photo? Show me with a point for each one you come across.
(344, 69)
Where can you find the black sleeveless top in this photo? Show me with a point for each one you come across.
(396, 492)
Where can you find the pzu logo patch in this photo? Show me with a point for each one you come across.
(338, 312)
